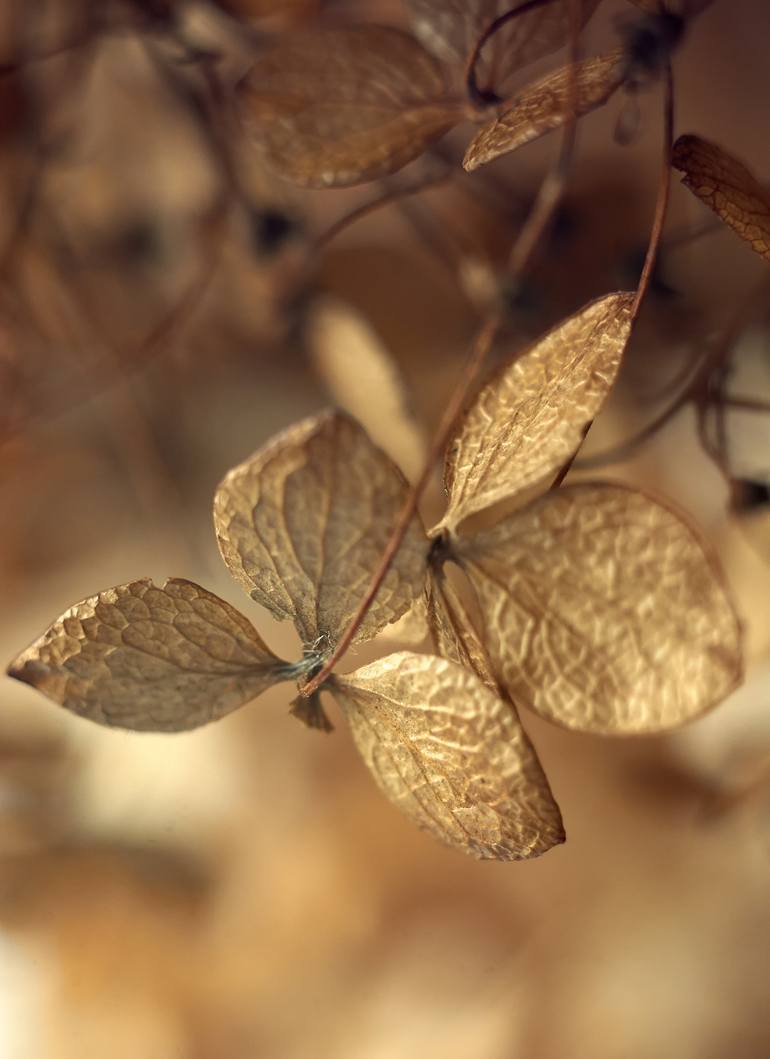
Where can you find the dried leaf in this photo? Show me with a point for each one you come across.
(451, 28)
(453, 633)
(311, 712)
(727, 187)
(364, 380)
(604, 611)
(451, 754)
(302, 526)
(151, 659)
(545, 105)
(411, 629)
(530, 417)
(336, 107)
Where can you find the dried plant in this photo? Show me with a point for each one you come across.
(728, 188)
(731, 190)
(602, 609)
(343, 106)
(543, 106)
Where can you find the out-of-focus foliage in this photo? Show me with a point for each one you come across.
(245, 889)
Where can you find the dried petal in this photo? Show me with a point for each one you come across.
(453, 633)
(727, 187)
(309, 709)
(530, 417)
(364, 380)
(411, 629)
(151, 659)
(604, 611)
(302, 526)
(336, 107)
(451, 28)
(451, 754)
(545, 105)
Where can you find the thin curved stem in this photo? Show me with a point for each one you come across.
(471, 81)
(390, 195)
(653, 246)
(745, 404)
(479, 350)
(552, 188)
(697, 388)
(620, 452)
(542, 211)
(664, 190)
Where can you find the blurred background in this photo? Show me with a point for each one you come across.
(244, 891)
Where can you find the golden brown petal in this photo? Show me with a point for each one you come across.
(151, 659)
(302, 526)
(453, 633)
(336, 107)
(728, 188)
(451, 754)
(544, 106)
(605, 612)
(451, 28)
(530, 416)
(364, 380)
(411, 629)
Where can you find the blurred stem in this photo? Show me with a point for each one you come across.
(664, 190)
(653, 247)
(390, 195)
(479, 350)
(475, 94)
(542, 211)
(697, 387)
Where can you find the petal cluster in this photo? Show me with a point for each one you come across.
(602, 609)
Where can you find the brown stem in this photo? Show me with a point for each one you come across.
(78, 40)
(389, 196)
(552, 188)
(473, 365)
(656, 235)
(745, 404)
(160, 338)
(697, 388)
(479, 350)
(620, 452)
(748, 790)
(443, 242)
(664, 189)
(471, 82)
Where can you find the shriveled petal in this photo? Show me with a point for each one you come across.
(151, 659)
(545, 105)
(605, 611)
(334, 107)
(728, 188)
(303, 523)
(364, 380)
(453, 633)
(451, 754)
(530, 416)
